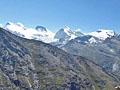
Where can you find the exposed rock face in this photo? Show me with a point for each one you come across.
(34, 65)
(41, 28)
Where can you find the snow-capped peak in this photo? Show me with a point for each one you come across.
(62, 36)
(30, 33)
(102, 34)
(65, 34)
(15, 28)
(67, 30)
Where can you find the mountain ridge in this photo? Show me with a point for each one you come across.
(62, 36)
(34, 65)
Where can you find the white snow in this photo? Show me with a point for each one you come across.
(69, 32)
(29, 33)
(20, 24)
(47, 36)
(102, 34)
(66, 32)
(1, 25)
(92, 40)
(115, 67)
(78, 33)
(72, 37)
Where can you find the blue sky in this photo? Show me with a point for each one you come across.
(88, 15)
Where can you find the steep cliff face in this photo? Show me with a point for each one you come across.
(34, 65)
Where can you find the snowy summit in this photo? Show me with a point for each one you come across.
(40, 33)
(102, 34)
(63, 35)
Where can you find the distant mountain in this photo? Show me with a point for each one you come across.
(102, 34)
(42, 33)
(59, 38)
(64, 35)
(39, 33)
(33, 65)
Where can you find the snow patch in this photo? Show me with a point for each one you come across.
(92, 40)
(115, 67)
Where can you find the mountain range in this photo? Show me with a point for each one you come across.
(37, 59)
(62, 36)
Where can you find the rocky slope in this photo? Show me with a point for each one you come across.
(105, 52)
(34, 65)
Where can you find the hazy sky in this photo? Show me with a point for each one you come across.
(88, 15)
